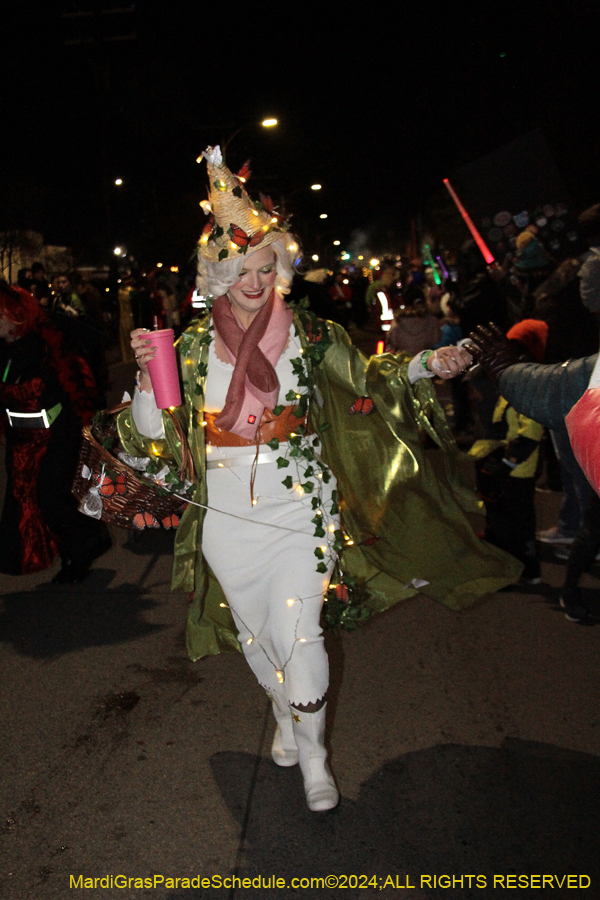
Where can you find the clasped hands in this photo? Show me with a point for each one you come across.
(448, 362)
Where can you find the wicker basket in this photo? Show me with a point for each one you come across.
(128, 499)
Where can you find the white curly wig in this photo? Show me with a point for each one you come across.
(215, 278)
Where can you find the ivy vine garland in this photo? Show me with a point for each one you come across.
(345, 600)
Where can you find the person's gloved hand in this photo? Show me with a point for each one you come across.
(493, 351)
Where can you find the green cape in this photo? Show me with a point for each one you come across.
(407, 517)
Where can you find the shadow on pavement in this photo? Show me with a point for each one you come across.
(523, 808)
(150, 541)
(55, 620)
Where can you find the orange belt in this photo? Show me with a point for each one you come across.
(278, 427)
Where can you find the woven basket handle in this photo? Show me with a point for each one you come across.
(186, 470)
(119, 408)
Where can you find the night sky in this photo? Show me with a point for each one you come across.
(377, 107)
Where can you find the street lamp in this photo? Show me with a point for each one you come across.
(118, 251)
(118, 181)
(336, 243)
(323, 216)
(269, 122)
(315, 257)
(316, 187)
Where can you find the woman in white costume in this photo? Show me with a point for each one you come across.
(257, 535)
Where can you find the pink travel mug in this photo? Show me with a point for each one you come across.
(163, 369)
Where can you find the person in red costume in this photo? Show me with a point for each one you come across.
(46, 395)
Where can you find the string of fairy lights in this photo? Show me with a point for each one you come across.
(279, 671)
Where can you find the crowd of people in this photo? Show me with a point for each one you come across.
(410, 306)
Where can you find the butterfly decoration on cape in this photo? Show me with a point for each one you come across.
(313, 336)
(110, 486)
(243, 240)
(362, 405)
(342, 592)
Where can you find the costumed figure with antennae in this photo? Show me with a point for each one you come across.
(290, 427)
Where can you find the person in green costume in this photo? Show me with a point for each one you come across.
(290, 426)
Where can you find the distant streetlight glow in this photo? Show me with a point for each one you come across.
(118, 181)
(374, 262)
(323, 216)
(118, 251)
(315, 257)
(268, 123)
(336, 243)
(159, 265)
(315, 187)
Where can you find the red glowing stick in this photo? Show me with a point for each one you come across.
(469, 223)
(380, 348)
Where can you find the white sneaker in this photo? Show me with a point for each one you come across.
(565, 553)
(554, 536)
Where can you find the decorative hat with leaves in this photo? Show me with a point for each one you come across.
(237, 225)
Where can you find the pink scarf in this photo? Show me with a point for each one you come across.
(254, 384)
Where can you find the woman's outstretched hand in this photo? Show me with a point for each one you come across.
(448, 362)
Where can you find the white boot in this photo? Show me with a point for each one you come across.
(284, 749)
(309, 731)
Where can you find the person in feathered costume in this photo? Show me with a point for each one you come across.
(46, 395)
(288, 425)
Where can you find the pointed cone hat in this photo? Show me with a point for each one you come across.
(237, 225)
